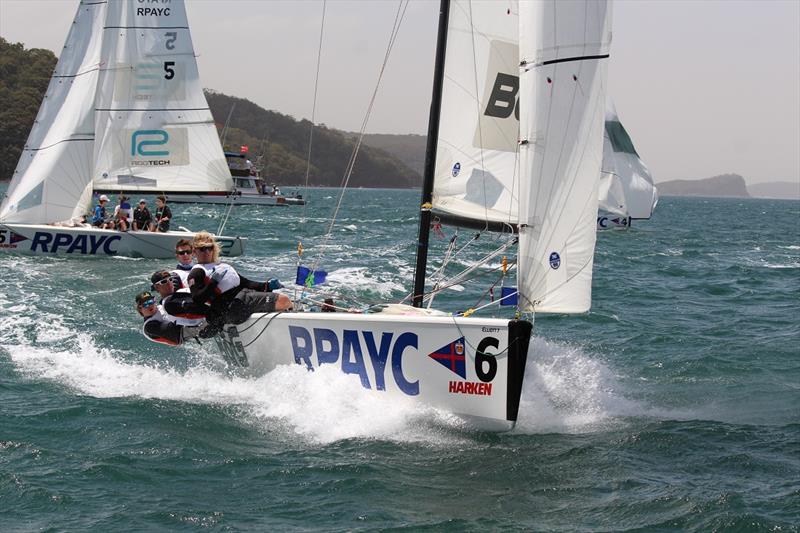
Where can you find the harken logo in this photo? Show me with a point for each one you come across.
(555, 260)
(456, 169)
(451, 356)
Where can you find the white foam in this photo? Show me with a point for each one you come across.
(566, 390)
(318, 407)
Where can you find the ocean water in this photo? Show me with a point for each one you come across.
(673, 405)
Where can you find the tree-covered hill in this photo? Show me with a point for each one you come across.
(24, 75)
(280, 139)
(284, 143)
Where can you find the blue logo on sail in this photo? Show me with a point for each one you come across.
(141, 139)
(456, 169)
(555, 260)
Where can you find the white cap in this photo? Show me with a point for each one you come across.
(142, 201)
(103, 198)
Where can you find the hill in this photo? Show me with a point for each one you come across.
(781, 190)
(410, 149)
(24, 76)
(725, 185)
(280, 140)
(283, 142)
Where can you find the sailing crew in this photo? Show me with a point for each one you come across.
(233, 298)
(141, 216)
(178, 303)
(163, 215)
(158, 325)
(183, 253)
(99, 216)
(123, 215)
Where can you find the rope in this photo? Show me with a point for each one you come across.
(399, 15)
(313, 113)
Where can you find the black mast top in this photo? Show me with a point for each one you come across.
(430, 156)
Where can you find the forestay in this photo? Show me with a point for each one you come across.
(564, 48)
(154, 129)
(52, 181)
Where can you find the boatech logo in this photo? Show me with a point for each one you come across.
(143, 148)
(555, 260)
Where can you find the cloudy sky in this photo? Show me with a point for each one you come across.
(704, 87)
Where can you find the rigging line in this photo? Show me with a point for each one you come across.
(462, 276)
(225, 126)
(313, 115)
(453, 282)
(273, 317)
(393, 36)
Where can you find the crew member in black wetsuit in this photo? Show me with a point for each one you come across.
(178, 303)
(158, 325)
(232, 298)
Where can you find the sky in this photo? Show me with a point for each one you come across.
(703, 87)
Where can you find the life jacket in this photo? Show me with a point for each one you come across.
(229, 283)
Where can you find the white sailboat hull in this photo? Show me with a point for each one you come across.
(228, 198)
(398, 355)
(612, 221)
(42, 239)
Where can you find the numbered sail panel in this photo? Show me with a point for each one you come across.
(55, 166)
(149, 60)
(477, 174)
(461, 365)
(163, 151)
(562, 93)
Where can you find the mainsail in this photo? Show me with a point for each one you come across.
(626, 185)
(154, 129)
(476, 178)
(53, 178)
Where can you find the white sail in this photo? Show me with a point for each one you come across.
(611, 192)
(476, 165)
(52, 181)
(563, 58)
(626, 183)
(154, 129)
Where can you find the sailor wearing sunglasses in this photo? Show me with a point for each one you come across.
(177, 303)
(233, 298)
(158, 326)
(183, 253)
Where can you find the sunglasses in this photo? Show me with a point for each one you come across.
(163, 281)
(148, 303)
(183, 252)
(204, 248)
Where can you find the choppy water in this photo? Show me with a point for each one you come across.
(673, 405)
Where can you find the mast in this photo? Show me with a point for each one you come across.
(430, 156)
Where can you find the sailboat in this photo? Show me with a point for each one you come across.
(537, 177)
(627, 191)
(124, 112)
